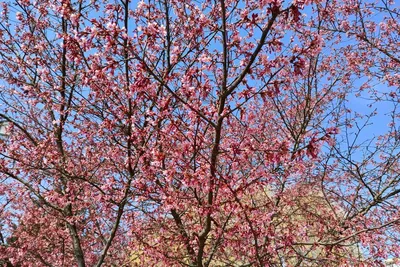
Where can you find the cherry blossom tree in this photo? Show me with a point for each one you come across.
(198, 133)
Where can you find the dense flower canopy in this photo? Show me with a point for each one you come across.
(199, 133)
